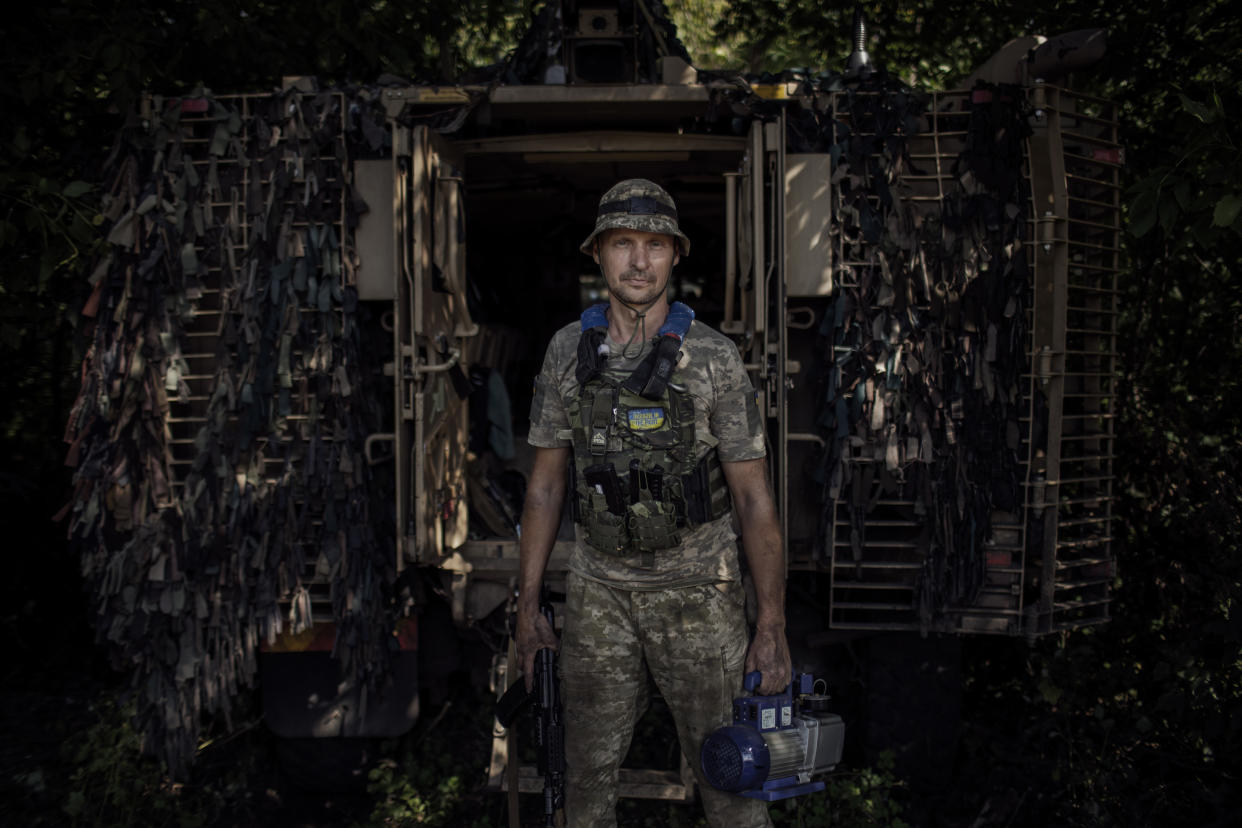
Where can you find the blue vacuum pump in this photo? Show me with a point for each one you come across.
(776, 743)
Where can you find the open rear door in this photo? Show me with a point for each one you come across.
(431, 322)
(755, 284)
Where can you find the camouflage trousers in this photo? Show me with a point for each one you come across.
(693, 640)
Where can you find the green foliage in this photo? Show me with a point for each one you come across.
(696, 21)
(48, 221)
(922, 42)
(869, 796)
(1185, 300)
(431, 777)
(414, 793)
(1193, 195)
(61, 220)
(113, 784)
(1151, 738)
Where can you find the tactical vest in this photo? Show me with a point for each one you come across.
(635, 481)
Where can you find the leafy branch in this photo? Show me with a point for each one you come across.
(1198, 191)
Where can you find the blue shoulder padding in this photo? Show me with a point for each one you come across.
(594, 317)
(680, 315)
(678, 322)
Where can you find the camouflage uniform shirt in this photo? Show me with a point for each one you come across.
(726, 419)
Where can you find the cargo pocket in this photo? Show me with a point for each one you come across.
(731, 615)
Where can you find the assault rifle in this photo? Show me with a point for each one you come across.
(545, 698)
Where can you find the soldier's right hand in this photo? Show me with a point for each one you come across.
(533, 634)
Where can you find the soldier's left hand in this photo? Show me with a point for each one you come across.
(769, 654)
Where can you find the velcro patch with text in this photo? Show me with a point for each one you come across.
(646, 419)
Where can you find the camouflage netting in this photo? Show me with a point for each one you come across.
(926, 343)
(208, 487)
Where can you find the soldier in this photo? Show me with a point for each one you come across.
(657, 423)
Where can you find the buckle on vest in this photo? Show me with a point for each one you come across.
(599, 440)
(601, 420)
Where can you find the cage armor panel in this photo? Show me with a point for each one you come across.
(635, 480)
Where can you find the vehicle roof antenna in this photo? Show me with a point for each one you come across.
(859, 63)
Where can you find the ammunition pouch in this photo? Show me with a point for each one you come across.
(614, 526)
(652, 525)
(705, 491)
(607, 532)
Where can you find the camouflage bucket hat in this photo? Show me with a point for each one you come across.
(637, 204)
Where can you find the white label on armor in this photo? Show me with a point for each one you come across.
(786, 715)
(767, 718)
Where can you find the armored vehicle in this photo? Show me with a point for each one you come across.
(300, 442)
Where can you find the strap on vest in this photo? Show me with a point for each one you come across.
(591, 344)
(601, 418)
(651, 377)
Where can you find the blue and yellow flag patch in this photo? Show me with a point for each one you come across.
(646, 419)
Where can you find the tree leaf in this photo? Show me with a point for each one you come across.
(75, 804)
(1205, 235)
(1227, 210)
(1181, 192)
(76, 189)
(1204, 113)
(34, 220)
(1168, 210)
(1142, 214)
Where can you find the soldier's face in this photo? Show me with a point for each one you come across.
(636, 264)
